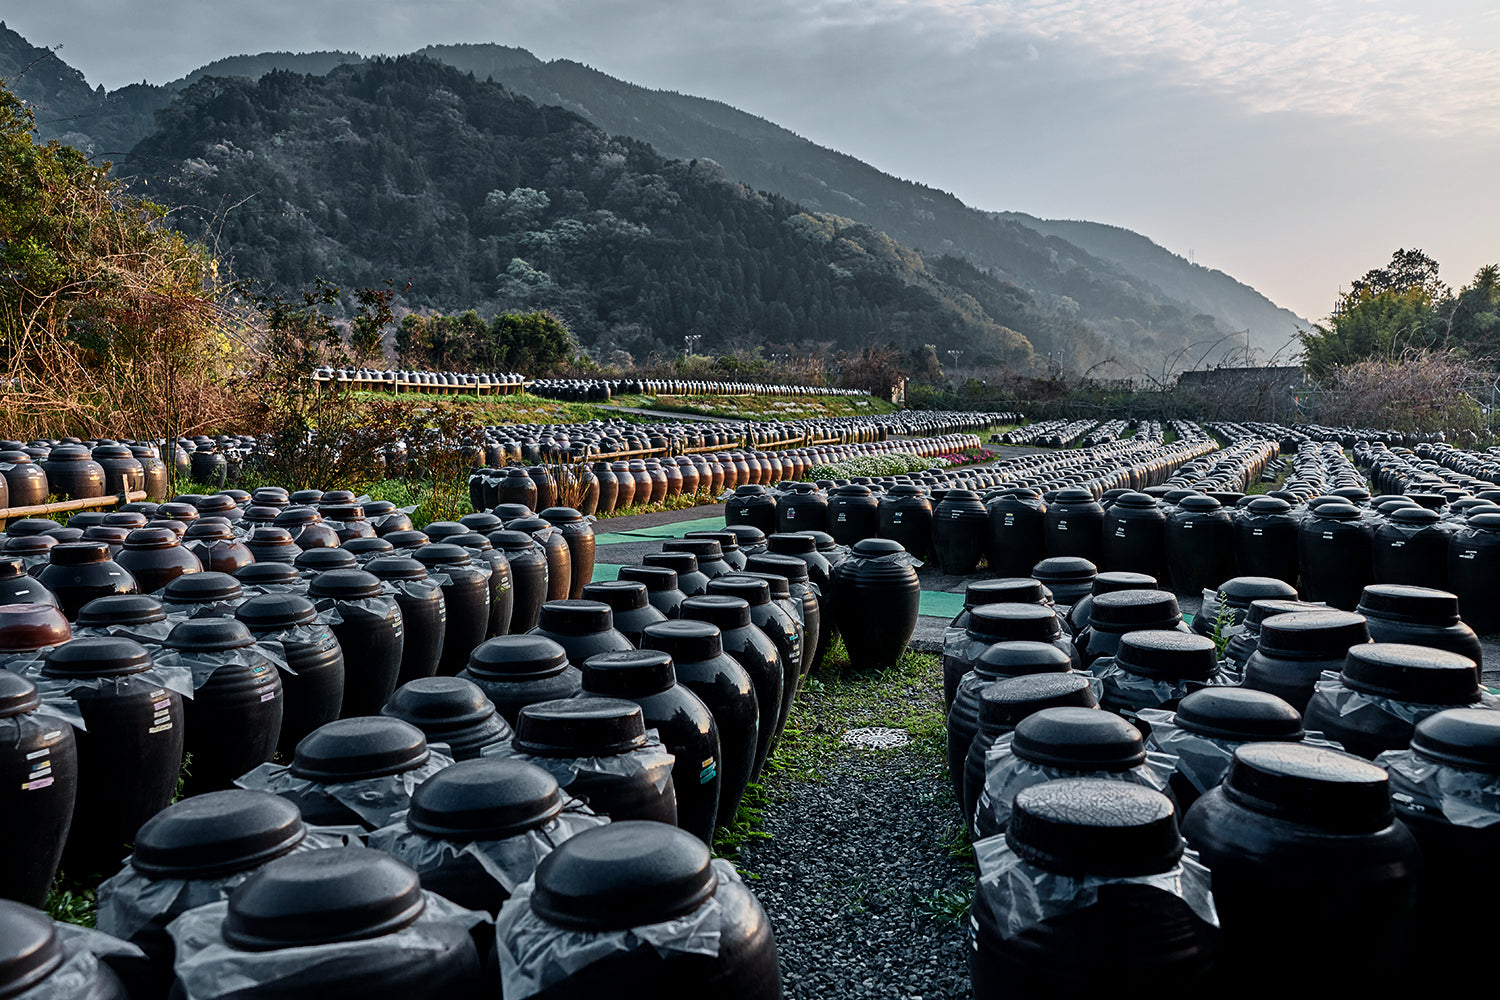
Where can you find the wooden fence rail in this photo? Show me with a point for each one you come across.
(64, 506)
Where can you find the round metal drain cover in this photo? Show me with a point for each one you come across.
(877, 737)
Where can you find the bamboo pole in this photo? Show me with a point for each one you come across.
(63, 506)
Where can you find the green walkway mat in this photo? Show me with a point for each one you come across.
(675, 530)
(606, 571)
(940, 604)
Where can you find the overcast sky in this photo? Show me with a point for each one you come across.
(1292, 143)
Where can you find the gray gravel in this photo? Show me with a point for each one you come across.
(850, 878)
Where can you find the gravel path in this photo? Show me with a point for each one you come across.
(852, 876)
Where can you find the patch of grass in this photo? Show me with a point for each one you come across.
(957, 843)
(680, 502)
(746, 825)
(517, 408)
(762, 407)
(944, 906)
(71, 902)
(1260, 489)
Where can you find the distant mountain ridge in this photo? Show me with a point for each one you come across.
(1132, 293)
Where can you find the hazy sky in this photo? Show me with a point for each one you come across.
(1292, 143)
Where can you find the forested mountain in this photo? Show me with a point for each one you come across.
(469, 195)
(1114, 297)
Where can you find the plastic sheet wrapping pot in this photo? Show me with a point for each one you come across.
(686, 726)
(519, 670)
(1073, 525)
(876, 597)
(1418, 616)
(579, 535)
(803, 592)
(582, 628)
(1411, 547)
(1199, 545)
(1444, 788)
(129, 751)
(751, 504)
(340, 922)
(629, 601)
(998, 623)
(424, 614)
(1303, 846)
(1114, 614)
(452, 711)
(1134, 536)
(1116, 847)
(466, 599)
(960, 532)
(313, 682)
(778, 621)
(853, 514)
(42, 959)
(648, 915)
(1473, 565)
(1335, 552)
(529, 577)
(234, 717)
(600, 751)
(1070, 578)
(905, 516)
(1016, 541)
(371, 632)
(155, 557)
(1265, 540)
(1384, 690)
(997, 705)
(1296, 648)
(661, 587)
(79, 572)
(729, 693)
(38, 785)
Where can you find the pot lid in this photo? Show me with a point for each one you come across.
(1108, 583)
(1006, 622)
(1310, 785)
(442, 531)
(319, 897)
(1065, 569)
(684, 640)
(623, 875)
(1006, 590)
(322, 560)
(1240, 715)
(575, 617)
(102, 656)
(746, 535)
(267, 572)
(407, 538)
(790, 567)
(630, 673)
(753, 590)
(718, 609)
(1078, 739)
(584, 726)
(620, 595)
(1411, 673)
(214, 834)
(448, 710)
(209, 634)
(656, 578)
(367, 746)
(1134, 609)
(1327, 633)
(487, 799)
(481, 521)
(1468, 738)
(118, 609)
(396, 568)
(17, 695)
(1241, 590)
(1268, 505)
(344, 584)
(273, 611)
(202, 588)
(876, 547)
(1171, 656)
(30, 950)
(517, 658)
(1005, 703)
(1020, 657)
(703, 549)
(78, 553)
(790, 544)
(436, 554)
(1399, 602)
(1091, 826)
(364, 546)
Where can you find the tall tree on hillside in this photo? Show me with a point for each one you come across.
(1386, 312)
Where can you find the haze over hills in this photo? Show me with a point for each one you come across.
(1140, 302)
